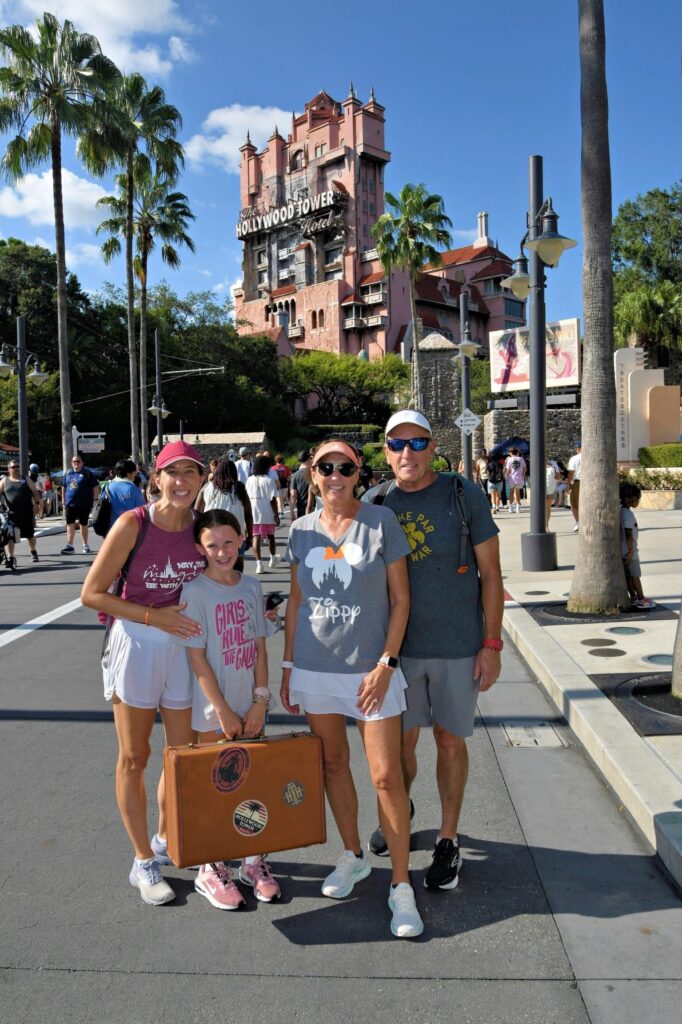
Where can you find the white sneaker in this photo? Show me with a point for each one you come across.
(274, 561)
(160, 850)
(87, 550)
(146, 876)
(512, 509)
(575, 528)
(259, 566)
(406, 922)
(349, 870)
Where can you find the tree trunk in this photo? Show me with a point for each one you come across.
(130, 285)
(677, 660)
(598, 583)
(144, 423)
(416, 378)
(62, 342)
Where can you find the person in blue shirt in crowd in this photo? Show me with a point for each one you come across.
(80, 490)
(123, 494)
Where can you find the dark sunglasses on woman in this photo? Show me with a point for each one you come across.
(417, 444)
(344, 468)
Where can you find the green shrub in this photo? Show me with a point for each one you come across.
(663, 455)
(439, 465)
(373, 452)
(658, 480)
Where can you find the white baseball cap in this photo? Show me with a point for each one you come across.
(418, 419)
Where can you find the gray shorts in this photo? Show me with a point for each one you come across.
(440, 691)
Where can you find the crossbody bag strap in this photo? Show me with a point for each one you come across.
(465, 534)
(125, 569)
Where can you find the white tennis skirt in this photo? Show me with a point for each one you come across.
(327, 693)
(145, 668)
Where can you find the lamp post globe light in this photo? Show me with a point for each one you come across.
(542, 239)
(22, 359)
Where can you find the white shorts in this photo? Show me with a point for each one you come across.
(145, 668)
(325, 693)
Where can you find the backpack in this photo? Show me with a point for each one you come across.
(495, 474)
(378, 494)
(101, 513)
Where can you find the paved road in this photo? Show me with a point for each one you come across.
(562, 913)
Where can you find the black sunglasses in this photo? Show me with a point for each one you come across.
(417, 444)
(344, 468)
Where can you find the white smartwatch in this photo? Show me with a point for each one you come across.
(388, 661)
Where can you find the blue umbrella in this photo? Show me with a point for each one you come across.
(503, 447)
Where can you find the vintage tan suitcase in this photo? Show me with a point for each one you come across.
(233, 799)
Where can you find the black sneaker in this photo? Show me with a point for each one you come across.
(377, 841)
(34, 556)
(68, 549)
(444, 871)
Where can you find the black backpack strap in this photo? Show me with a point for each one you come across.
(465, 535)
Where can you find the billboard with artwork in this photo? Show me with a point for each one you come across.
(509, 357)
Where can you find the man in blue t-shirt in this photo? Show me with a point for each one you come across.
(79, 491)
(123, 494)
(452, 645)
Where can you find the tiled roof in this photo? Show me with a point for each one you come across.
(287, 289)
(429, 319)
(339, 186)
(350, 299)
(374, 278)
(467, 254)
(429, 290)
(266, 331)
(495, 269)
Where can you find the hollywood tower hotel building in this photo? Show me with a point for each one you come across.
(311, 275)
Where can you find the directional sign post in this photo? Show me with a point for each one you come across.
(467, 422)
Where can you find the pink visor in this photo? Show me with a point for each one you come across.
(342, 447)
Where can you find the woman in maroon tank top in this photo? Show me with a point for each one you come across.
(145, 671)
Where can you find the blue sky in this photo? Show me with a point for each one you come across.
(470, 90)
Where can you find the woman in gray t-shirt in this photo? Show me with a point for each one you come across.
(345, 621)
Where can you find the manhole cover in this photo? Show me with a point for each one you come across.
(597, 641)
(624, 630)
(658, 659)
(532, 734)
(607, 652)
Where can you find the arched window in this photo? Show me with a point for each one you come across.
(314, 319)
(320, 318)
(267, 313)
(292, 310)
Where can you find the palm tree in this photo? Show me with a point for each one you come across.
(650, 315)
(50, 85)
(598, 583)
(407, 238)
(158, 213)
(140, 128)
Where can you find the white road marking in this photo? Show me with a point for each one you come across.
(42, 620)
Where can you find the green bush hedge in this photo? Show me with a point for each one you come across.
(662, 455)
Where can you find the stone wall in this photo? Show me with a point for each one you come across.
(563, 429)
(440, 390)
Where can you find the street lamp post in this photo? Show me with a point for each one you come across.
(158, 406)
(22, 358)
(467, 348)
(538, 547)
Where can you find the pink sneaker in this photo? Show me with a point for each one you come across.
(214, 881)
(258, 876)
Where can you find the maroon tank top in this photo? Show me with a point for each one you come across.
(164, 561)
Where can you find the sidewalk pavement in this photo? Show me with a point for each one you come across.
(582, 664)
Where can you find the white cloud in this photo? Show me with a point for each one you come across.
(224, 131)
(116, 25)
(466, 234)
(206, 273)
(181, 51)
(84, 254)
(31, 198)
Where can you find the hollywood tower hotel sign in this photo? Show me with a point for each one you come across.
(308, 204)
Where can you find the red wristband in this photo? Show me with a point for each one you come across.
(493, 645)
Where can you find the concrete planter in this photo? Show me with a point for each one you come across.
(661, 500)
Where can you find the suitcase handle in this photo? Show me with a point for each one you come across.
(247, 739)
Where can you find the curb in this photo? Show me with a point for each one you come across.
(646, 786)
(49, 531)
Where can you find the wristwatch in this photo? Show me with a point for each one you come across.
(388, 661)
(261, 695)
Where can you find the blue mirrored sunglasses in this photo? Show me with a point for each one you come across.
(417, 444)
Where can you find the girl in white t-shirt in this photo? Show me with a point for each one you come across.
(629, 535)
(262, 492)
